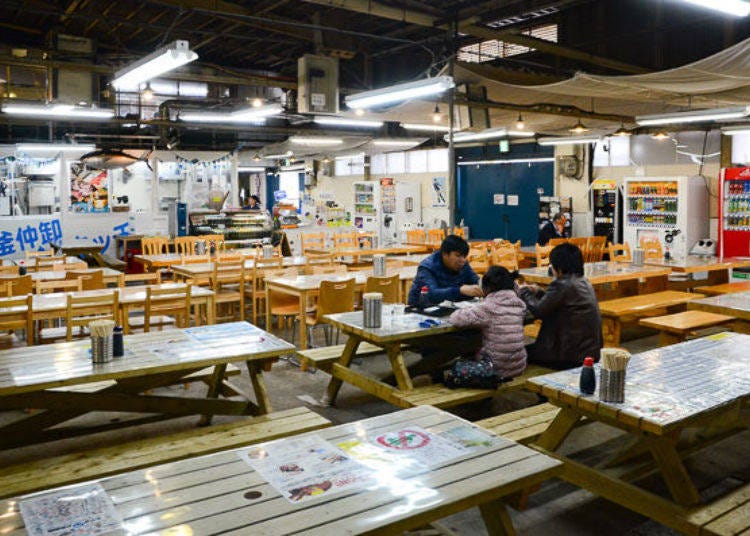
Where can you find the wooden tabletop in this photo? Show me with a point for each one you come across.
(76, 245)
(206, 268)
(736, 304)
(312, 282)
(395, 249)
(108, 274)
(360, 482)
(394, 328)
(692, 264)
(666, 387)
(599, 273)
(726, 288)
(633, 304)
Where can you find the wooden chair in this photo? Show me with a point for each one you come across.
(333, 297)
(258, 289)
(620, 252)
(319, 259)
(595, 247)
(505, 256)
(345, 240)
(184, 245)
(195, 259)
(479, 260)
(12, 317)
(327, 269)
(10, 269)
(165, 306)
(312, 241)
(651, 248)
(215, 243)
(230, 257)
(42, 264)
(557, 241)
(59, 285)
(542, 255)
(90, 280)
(44, 253)
(435, 237)
(283, 306)
(19, 285)
(81, 310)
(416, 236)
(154, 245)
(459, 231)
(148, 278)
(388, 286)
(228, 284)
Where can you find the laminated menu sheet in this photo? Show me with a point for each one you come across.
(84, 510)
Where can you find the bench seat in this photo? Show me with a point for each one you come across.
(726, 288)
(621, 310)
(726, 516)
(323, 357)
(77, 467)
(523, 425)
(676, 327)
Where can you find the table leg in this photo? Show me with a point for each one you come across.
(214, 388)
(611, 331)
(267, 301)
(255, 369)
(496, 518)
(558, 429)
(350, 350)
(210, 310)
(301, 320)
(672, 470)
(399, 367)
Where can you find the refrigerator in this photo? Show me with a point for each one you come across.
(401, 209)
(734, 212)
(672, 209)
(549, 206)
(606, 201)
(367, 206)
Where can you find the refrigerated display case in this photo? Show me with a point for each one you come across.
(367, 206)
(672, 209)
(606, 201)
(734, 212)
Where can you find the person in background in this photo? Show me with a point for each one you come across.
(571, 322)
(552, 229)
(500, 317)
(252, 203)
(446, 274)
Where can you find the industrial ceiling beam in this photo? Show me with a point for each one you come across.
(374, 8)
(543, 108)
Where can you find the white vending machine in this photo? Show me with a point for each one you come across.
(367, 207)
(402, 208)
(672, 209)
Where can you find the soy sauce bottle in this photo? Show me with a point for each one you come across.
(588, 378)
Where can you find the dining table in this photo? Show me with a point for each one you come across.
(696, 270)
(736, 304)
(61, 382)
(199, 273)
(356, 253)
(381, 475)
(86, 248)
(678, 399)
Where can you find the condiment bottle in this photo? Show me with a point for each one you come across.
(588, 379)
(424, 298)
(21, 268)
(118, 345)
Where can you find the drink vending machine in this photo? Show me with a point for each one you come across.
(606, 201)
(673, 210)
(734, 212)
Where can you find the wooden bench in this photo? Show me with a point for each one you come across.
(323, 357)
(726, 288)
(728, 515)
(621, 310)
(440, 396)
(676, 328)
(523, 425)
(77, 467)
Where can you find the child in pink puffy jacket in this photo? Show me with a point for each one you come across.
(500, 316)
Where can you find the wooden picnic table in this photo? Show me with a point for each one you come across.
(701, 383)
(736, 304)
(54, 305)
(87, 248)
(53, 378)
(695, 270)
(610, 279)
(391, 491)
(305, 286)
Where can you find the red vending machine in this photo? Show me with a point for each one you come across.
(734, 212)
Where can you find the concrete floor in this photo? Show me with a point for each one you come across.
(557, 509)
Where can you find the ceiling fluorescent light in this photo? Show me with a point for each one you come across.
(349, 156)
(400, 92)
(157, 63)
(735, 130)
(572, 140)
(344, 122)
(508, 161)
(417, 126)
(488, 134)
(304, 140)
(63, 111)
(396, 143)
(732, 7)
(283, 155)
(244, 115)
(694, 116)
(54, 147)
(250, 169)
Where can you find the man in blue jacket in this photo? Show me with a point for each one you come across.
(447, 276)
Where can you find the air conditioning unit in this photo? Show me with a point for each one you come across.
(318, 84)
(74, 86)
